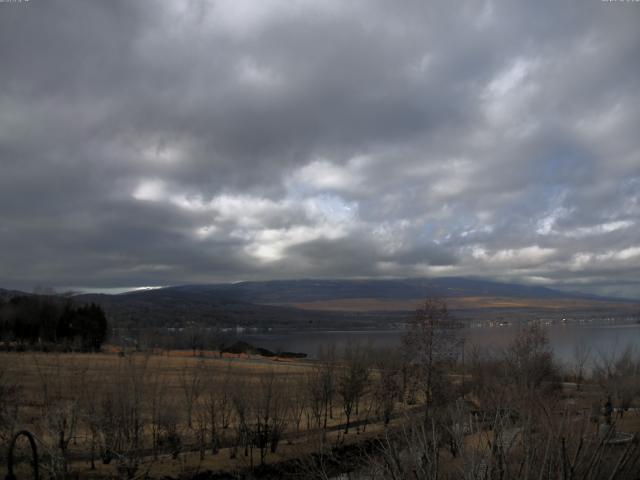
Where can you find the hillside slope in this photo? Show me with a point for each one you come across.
(342, 303)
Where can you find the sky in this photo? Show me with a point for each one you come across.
(147, 143)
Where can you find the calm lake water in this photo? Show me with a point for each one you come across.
(602, 339)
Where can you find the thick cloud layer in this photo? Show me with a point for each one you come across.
(154, 143)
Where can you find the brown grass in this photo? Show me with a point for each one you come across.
(83, 374)
(397, 305)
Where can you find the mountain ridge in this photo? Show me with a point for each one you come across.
(326, 303)
(309, 290)
(304, 290)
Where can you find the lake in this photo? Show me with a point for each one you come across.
(603, 339)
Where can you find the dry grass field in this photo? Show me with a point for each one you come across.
(408, 305)
(77, 387)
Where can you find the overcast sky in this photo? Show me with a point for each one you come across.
(155, 143)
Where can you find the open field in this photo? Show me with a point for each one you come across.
(461, 303)
(31, 369)
(179, 408)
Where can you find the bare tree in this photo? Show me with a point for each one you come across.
(581, 357)
(218, 404)
(298, 404)
(431, 343)
(411, 453)
(90, 394)
(122, 418)
(61, 391)
(170, 436)
(619, 376)
(531, 360)
(212, 402)
(490, 377)
(9, 407)
(191, 378)
(314, 391)
(157, 403)
(240, 396)
(320, 384)
(387, 389)
(353, 376)
(268, 413)
(327, 357)
(202, 424)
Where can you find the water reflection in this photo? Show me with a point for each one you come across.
(564, 339)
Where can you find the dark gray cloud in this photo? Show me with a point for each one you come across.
(147, 143)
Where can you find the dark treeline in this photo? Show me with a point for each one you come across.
(47, 322)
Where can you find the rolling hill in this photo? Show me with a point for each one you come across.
(292, 291)
(343, 303)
